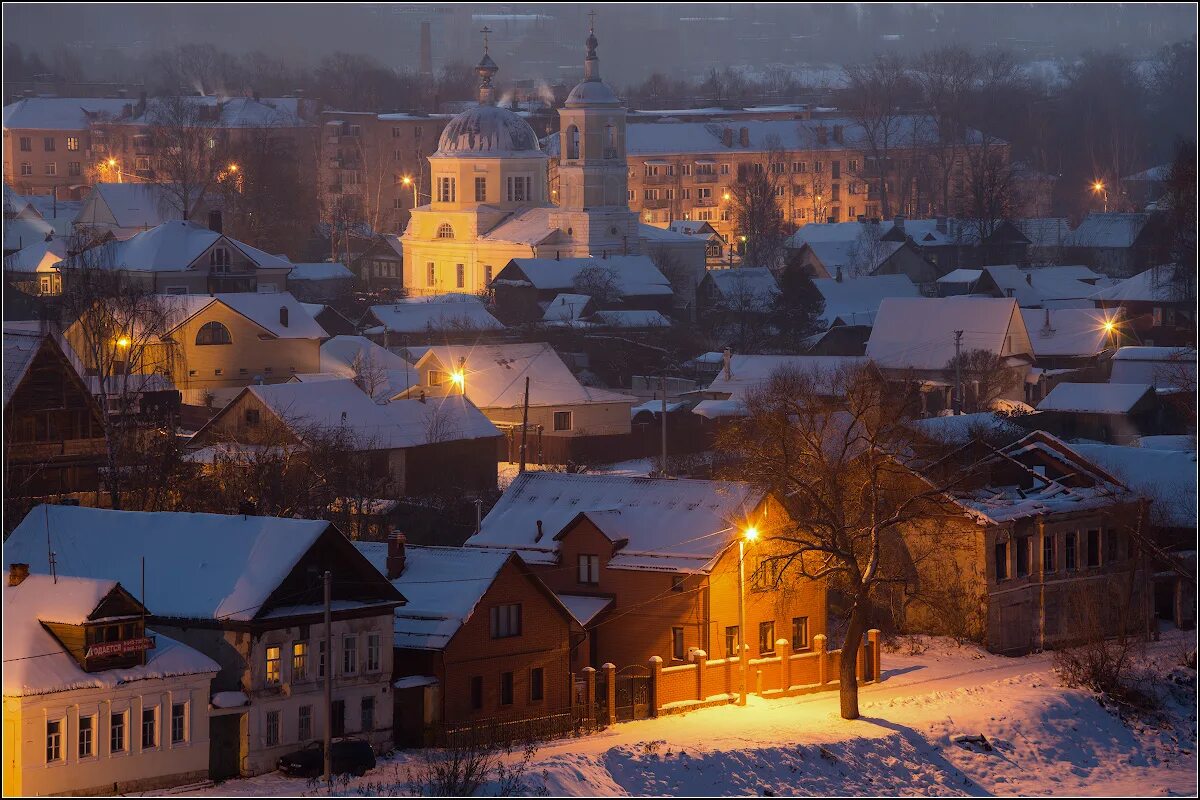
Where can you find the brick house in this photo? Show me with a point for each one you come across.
(481, 638)
(663, 553)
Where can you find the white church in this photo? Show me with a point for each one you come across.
(490, 200)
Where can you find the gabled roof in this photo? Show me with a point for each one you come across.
(745, 288)
(198, 566)
(319, 271)
(1067, 331)
(565, 307)
(173, 247)
(261, 309)
(135, 205)
(1095, 398)
(1035, 286)
(59, 113)
(856, 296)
(40, 256)
(852, 258)
(1167, 477)
(390, 372)
(1155, 285)
(495, 375)
(752, 372)
(629, 318)
(24, 232)
(530, 226)
(918, 332)
(35, 661)
(676, 525)
(1109, 230)
(450, 312)
(20, 349)
(341, 404)
(635, 276)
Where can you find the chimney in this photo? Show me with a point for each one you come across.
(838, 276)
(727, 137)
(395, 554)
(899, 222)
(1029, 278)
(727, 359)
(246, 508)
(17, 573)
(744, 137)
(837, 133)
(283, 316)
(538, 538)
(941, 224)
(426, 50)
(141, 103)
(215, 223)
(822, 134)
(257, 96)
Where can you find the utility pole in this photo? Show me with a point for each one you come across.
(662, 382)
(524, 425)
(328, 678)
(957, 404)
(741, 642)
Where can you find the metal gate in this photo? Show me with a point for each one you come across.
(632, 693)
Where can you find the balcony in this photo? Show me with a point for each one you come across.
(656, 180)
(232, 282)
(706, 177)
(705, 202)
(656, 203)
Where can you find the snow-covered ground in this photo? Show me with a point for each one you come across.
(1046, 739)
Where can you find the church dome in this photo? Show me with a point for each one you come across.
(488, 130)
(592, 93)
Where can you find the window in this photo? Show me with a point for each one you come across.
(677, 583)
(537, 684)
(799, 166)
(1024, 549)
(1110, 545)
(116, 732)
(1048, 553)
(26, 168)
(445, 187)
(51, 168)
(704, 193)
(817, 166)
(766, 637)
(1093, 548)
(374, 662)
(724, 169)
(506, 688)
(72, 143)
(572, 137)
(273, 673)
(149, 728)
(48, 144)
(520, 188)
(435, 377)
(460, 275)
(562, 420)
(477, 692)
(218, 259)
(304, 730)
(141, 164)
(445, 231)
(74, 168)
(299, 661)
(349, 655)
(1069, 551)
(480, 190)
(178, 722)
(367, 708)
(87, 730)
(852, 165)
(26, 144)
(1001, 561)
(731, 641)
(800, 633)
(677, 643)
(506, 621)
(54, 740)
(430, 274)
(589, 569)
(487, 275)
(272, 728)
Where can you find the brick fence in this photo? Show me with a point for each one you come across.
(703, 682)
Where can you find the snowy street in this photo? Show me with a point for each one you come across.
(1046, 740)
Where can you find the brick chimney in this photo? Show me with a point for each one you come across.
(744, 137)
(283, 316)
(215, 223)
(395, 554)
(17, 573)
(727, 137)
(727, 361)
(822, 134)
(837, 133)
(899, 222)
(838, 276)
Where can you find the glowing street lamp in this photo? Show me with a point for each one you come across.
(725, 197)
(459, 379)
(750, 534)
(408, 181)
(123, 342)
(1099, 188)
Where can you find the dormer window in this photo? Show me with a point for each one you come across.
(218, 259)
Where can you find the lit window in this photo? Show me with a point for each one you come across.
(72, 143)
(273, 669)
(731, 641)
(299, 661)
(799, 633)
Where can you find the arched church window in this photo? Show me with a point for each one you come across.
(610, 141)
(444, 231)
(572, 142)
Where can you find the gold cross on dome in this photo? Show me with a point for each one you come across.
(592, 21)
(486, 30)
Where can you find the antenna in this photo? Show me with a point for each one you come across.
(49, 551)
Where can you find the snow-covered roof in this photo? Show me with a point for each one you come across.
(1167, 442)
(1067, 331)
(1167, 477)
(528, 226)
(173, 247)
(657, 234)
(629, 318)
(1095, 398)
(390, 373)
(496, 373)
(1155, 285)
(390, 425)
(35, 662)
(751, 372)
(41, 256)
(918, 332)
(59, 113)
(198, 566)
(262, 309)
(443, 586)
(1108, 230)
(1034, 286)
(692, 227)
(855, 296)
(23, 232)
(237, 112)
(436, 313)
(851, 257)
(677, 525)
(1045, 231)
(134, 205)
(746, 288)
(565, 307)
(20, 347)
(584, 608)
(1161, 367)
(488, 131)
(655, 407)
(959, 429)
(319, 271)
(634, 275)
(1159, 173)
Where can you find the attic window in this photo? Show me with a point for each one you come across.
(444, 231)
(213, 333)
(218, 259)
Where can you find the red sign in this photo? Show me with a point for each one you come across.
(121, 648)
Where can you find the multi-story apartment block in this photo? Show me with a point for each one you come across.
(822, 169)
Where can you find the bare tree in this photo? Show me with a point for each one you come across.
(985, 376)
(191, 151)
(876, 94)
(598, 282)
(759, 220)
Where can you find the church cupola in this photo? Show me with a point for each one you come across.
(486, 69)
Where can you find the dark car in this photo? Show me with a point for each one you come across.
(352, 756)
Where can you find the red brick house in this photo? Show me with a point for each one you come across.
(481, 640)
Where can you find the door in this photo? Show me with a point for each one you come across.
(339, 718)
(225, 746)
(633, 693)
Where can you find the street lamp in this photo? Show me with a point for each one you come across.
(1099, 188)
(750, 534)
(408, 181)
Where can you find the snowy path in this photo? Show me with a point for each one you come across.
(1047, 741)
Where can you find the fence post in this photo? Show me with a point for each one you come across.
(589, 697)
(873, 640)
(782, 649)
(700, 658)
(822, 658)
(610, 687)
(655, 683)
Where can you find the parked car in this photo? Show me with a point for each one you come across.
(352, 756)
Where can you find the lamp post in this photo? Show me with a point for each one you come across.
(749, 535)
(1099, 188)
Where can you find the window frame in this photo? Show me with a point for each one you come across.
(273, 666)
(570, 421)
(182, 719)
(272, 724)
(54, 740)
(299, 660)
(150, 725)
(678, 644)
(769, 642)
(350, 654)
(800, 625)
(589, 569)
(120, 730)
(506, 620)
(537, 684)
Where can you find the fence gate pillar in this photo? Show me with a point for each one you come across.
(610, 687)
(783, 650)
(700, 658)
(589, 691)
(655, 683)
(822, 658)
(873, 641)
